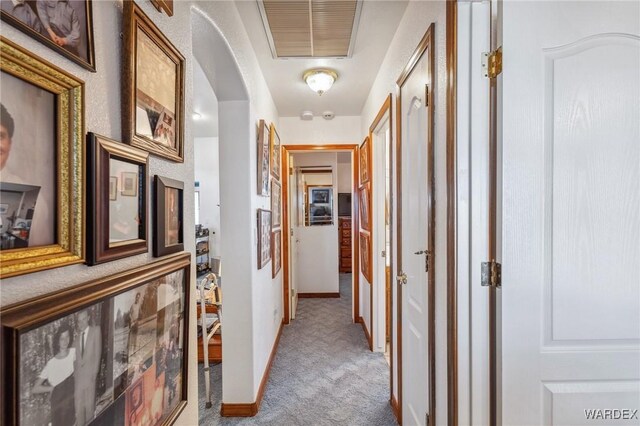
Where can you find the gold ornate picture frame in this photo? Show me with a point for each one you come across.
(153, 80)
(68, 209)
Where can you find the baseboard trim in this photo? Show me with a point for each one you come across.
(394, 407)
(251, 409)
(317, 295)
(366, 333)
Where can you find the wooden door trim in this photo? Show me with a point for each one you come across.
(452, 212)
(286, 226)
(427, 42)
(384, 109)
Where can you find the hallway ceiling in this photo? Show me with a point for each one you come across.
(378, 23)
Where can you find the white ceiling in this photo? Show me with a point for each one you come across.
(205, 103)
(378, 24)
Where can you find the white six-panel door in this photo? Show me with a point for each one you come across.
(571, 212)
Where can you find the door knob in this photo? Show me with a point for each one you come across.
(402, 278)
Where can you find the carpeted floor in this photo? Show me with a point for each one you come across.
(323, 373)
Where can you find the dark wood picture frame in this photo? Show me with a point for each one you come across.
(136, 22)
(264, 158)
(366, 257)
(68, 167)
(364, 157)
(89, 63)
(276, 256)
(100, 151)
(276, 203)
(161, 221)
(165, 6)
(264, 237)
(364, 206)
(275, 151)
(23, 317)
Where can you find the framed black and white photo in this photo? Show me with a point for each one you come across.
(110, 351)
(276, 244)
(264, 237)
(169, 211)
(263, 158)
(64, 26)
(42, 164)
(117, 223)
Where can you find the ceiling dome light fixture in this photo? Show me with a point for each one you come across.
(320, 79)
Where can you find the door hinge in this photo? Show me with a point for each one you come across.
(491, 274)
(291, 171)
(426, 419)
(492, 63)
(426, 95)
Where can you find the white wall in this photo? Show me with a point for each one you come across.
(345, 177)
(207, 174)
(417, 18)
(340, 130)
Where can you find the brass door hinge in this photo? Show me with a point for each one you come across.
(491, 274)
(492, 63)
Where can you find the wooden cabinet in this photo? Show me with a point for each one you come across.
(344, 242)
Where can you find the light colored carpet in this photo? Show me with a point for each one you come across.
(323, 373)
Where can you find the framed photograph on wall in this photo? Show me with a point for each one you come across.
(109, 351)
(364, 155)
(264, 237)
(116, 226)
(365, 256)
(153, 119)
(263, 158)
(64, 26)
(275, 152)
(168, 223)
(42, 164)
(365, 206)
(276, 244)
(276, 202)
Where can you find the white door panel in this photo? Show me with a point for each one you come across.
(571, 211)
(414, 172)
(293, 247)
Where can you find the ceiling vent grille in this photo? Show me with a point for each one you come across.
(310, 28)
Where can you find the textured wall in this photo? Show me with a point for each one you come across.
(417, 18)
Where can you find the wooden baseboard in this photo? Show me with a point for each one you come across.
(394, 408)
(317, 295)
(366, 333)
(251, 409)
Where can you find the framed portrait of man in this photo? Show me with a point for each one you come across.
(41, 164)
(65, 26)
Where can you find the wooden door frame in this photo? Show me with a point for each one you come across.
(355, 256)
(384, 109)
(427, 42)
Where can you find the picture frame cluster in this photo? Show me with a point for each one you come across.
(269, 221)
(50, 165)
(364, 209)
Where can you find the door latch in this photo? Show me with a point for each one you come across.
(491, 274)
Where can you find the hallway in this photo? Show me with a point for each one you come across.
(323, 372)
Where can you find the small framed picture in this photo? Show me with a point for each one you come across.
(109, 351)
(366, 256)
(365, 206)
(275, 152)
(42, 162)
(276, 202)
(129, 184)
(153, 87)
(64, 26)
(276, 244)
(168, 224)
(264, 237)
(364, 154)
(263, 158)
(113, 188)
(116, 226)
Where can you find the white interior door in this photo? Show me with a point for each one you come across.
(571, 213)
(293, 247)
(414, 221)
